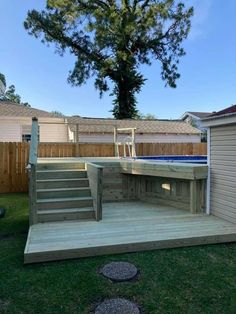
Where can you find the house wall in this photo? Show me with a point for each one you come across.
(140, 138)
(53, 133)
(11, 129)
(223, 172)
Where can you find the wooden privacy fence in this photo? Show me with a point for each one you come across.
(14, 157)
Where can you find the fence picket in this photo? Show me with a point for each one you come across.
(14, 157)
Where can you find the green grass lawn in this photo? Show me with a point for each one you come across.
(187, 280)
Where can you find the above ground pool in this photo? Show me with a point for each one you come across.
(201, 159)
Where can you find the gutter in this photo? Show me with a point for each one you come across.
(223, 119)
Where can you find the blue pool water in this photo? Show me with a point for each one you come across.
(177, 158)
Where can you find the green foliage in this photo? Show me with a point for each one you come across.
(57, 113)
(147, 116)
(10, 93)
(111, 39)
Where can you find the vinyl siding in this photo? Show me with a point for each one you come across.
(223, 172)
(53, 133)
(11, 129)
(140, 138)
(10, 132)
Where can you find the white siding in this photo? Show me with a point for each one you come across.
(223, 172)
(53, 133)
(10, 131)
(139, 138)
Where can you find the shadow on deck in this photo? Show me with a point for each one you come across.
(125, 227)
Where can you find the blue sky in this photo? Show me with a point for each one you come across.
(208, 71)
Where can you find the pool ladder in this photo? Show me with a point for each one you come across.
(129, 143)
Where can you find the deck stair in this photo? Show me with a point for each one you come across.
(63, 192)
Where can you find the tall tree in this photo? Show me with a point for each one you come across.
(111, 39)
(10, 92)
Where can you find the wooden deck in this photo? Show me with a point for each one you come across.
(125, 227)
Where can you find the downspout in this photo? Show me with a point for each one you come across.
(208, 190)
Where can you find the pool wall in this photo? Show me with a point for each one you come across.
(199, 159)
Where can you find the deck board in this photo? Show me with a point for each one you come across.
(126, 227)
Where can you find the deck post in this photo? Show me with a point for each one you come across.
(195, 196)
(32, 195)
(32, 171)
(95, 176)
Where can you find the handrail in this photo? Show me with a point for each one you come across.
(95, 176)
(34, 142)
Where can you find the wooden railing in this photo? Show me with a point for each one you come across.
(95, 176)
(32, 171)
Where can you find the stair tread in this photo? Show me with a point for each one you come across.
(64, 199)
(64, 210)
(64, 189)
(62, 170)
(61, 180)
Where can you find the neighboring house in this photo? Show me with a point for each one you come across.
(194, 118)
(15, 124)
(222, 163)
(94, 130)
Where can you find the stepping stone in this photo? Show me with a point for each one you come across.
(119, 271)
(117, 306)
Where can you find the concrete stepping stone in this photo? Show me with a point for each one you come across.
(117, 306)
(119, 271)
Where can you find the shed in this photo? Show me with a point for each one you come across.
(222, 163)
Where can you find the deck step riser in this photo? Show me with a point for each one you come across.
(61, 175)
(57, 194)
(89, 215)
(55, 166)
(65, 204)
(63, 184)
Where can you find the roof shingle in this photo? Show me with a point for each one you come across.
(228, 110)
(10, 109)
(96, 125)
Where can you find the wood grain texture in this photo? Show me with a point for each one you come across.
(95, 176)
(126, 227)
(14, 157)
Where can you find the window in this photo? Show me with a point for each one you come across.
(26, 137)
(26, 133)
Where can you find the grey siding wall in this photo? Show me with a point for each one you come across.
(223, 172)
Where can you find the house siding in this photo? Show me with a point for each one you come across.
(223, 172)
(53, 133)
(139, 138)
(11, 129)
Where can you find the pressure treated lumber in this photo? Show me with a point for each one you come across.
(125, 227)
